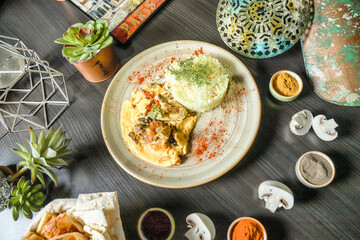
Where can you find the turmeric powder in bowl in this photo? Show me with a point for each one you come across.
(246, 228)
(285, 85)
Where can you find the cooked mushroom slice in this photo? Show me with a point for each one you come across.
(325, 129)
(301, 122)
(276, 195)
(201, 227)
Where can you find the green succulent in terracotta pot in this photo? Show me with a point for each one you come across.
(87, 46)
(83, 41)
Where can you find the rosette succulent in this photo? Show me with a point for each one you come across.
(83, 41)
(45, 151)
(27, 198)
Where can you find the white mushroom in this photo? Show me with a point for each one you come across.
(301, 122)
(325, 129)
(276, 195)
(201, 227)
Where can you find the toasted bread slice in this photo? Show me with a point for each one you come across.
(30, 235)
(63, 223)
(47, 217)
(71, 236)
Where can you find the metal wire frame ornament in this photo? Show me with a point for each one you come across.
(36, 95)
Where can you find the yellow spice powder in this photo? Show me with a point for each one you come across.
(285, 84)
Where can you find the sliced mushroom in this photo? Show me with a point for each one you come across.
(325, 129)
(301, 122)
(201, 227)
(276, 195)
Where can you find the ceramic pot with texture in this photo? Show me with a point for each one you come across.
(100, 67)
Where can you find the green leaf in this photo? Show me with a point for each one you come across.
(24, 149)
(34, 207)
(84, 56)
(22, 154)
(34, 151)
(26, 188)
(90, 39)
(21, 183)
(15, 214)
(65, 144)
(60, 141)
(49, 136)
(27, 212)
(33, 137)
(70, 52)
(36, 188)
(107, 42)
(21, 199)
(13, 192)
(64, 152)
(62, 41)
(13, 202)
(55, 138)
(80, 42)
(74, 60)
(41, 142)
(41, 178)
(50, 173)
(69, 37)
(54, 162)
(49, 153)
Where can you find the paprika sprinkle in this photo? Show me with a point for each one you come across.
(247, 229)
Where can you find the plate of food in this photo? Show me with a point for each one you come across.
(181, 114)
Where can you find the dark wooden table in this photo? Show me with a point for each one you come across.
(328, 213)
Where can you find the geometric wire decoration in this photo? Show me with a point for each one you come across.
(31, 92)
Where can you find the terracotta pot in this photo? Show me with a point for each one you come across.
(100, 67)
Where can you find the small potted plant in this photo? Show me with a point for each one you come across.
(45, 152)
(87, 47)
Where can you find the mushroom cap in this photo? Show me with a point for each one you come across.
(325, 129)
(271, 187)
(204, 223)
(301, 122)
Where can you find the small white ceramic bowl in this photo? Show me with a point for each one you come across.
(232, 225)
(172, 222)
(282, 97)
(303, 180)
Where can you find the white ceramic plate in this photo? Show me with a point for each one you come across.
(220, 138)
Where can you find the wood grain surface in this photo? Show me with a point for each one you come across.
(328, 213)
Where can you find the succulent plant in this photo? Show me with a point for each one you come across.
(27, 198)
(83, 41)
(45, 152)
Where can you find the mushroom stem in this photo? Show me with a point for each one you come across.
(273, 202)
(191, 233)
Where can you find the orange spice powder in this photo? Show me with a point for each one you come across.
(285, 84)
(247, 229)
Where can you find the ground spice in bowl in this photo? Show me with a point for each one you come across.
(285, 84)
(156, 224)
(316, 169)
(247, 229)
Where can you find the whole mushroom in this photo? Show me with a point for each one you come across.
(276, 194)
(325, 129)
(201, 227)
(301, 122)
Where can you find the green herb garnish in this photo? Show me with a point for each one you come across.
(194, 73)
(156, 111)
